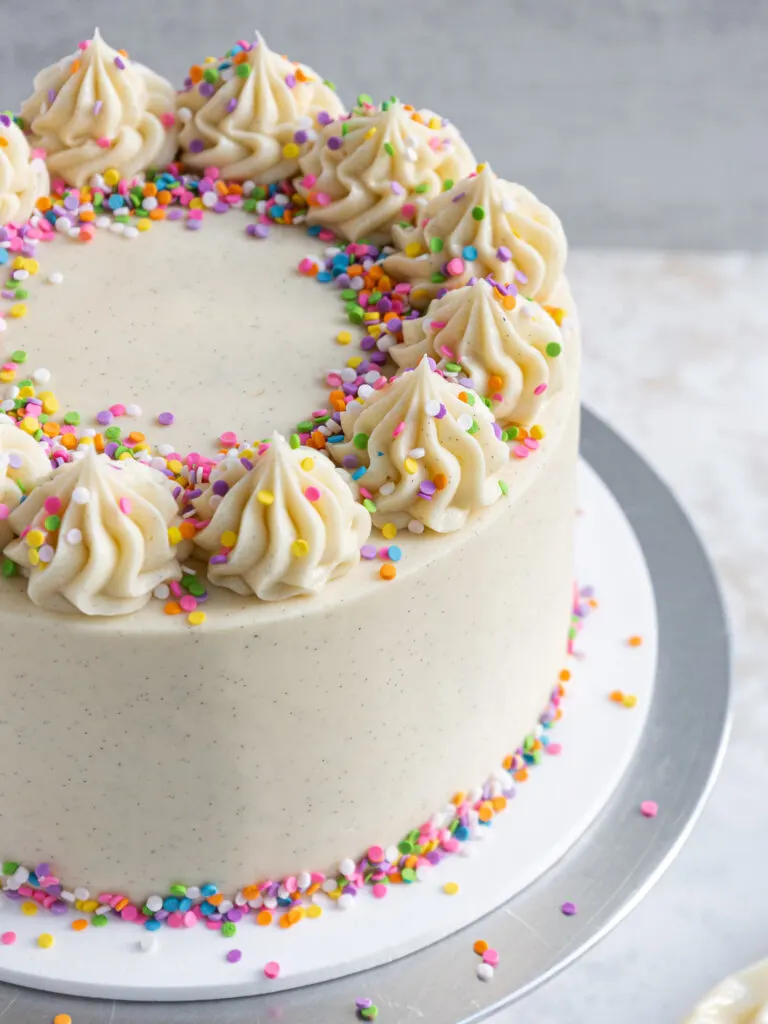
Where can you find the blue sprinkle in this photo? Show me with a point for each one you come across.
(461, 833)
(185, 905)
(206, 909)
(115, 201)
(152, 925)
(208, 889)
(170, 904)
(469, 252)
(334, 439)
(3, 256)
(324, 275)
(314, 230)
(361, 471)
(394, 552)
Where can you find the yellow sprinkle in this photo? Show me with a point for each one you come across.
(372, 316)
(45, 940)
(314, 910)
(18, 310)
(307, 464)
(480, 168)
(370, 133)
(629, 701)
(196, 204)
(111, 177)
(144, 225)
(228, 539)
(435, 122)
(265, 497)
(35, 538)
(389, 530)
(413, 249)
(196, 618)
(537, 432)
(50, 402)
(451, 888)
(374, 330)
(27, 392)
(33, 556)
(557, 314)
(89, 906)
(30, 424)
(411, 465)
(174, 535)
(291, 151)
(124, 456)
(354, 362)
(6, 376)
(299, 548)
(343, 337)
(29, 908)
(31, 266)
(175, 466)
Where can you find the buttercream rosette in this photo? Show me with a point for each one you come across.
(282, 523)
(23, 177)
(432, 449)
(483, 225)
(96, 111)
(252, 113)
(510, 347)
(378, 167)
(97, 536)
(23, 463)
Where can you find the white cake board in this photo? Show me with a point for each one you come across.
(549, 813)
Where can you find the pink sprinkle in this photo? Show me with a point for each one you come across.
(554, 749)
(649, 808)
(175, 919)
(375, 854)
(333, 380)
(175, 587)
(189, 919)
(4, 511)
(399, 429)
(436, 325)
(8, 938)
(290, 884)
(490, 956)
(379, 891)
(446, 352)
(117, 409)
(450, 845)
(540, 389)
(408, 210)
(308, 180)
(188, 603)
(306, 265)
(104, 143)
(322, 199)
(168, 119)
(129, 913)
(229, 438)
(312, 494)
(125, 505)
(520, 451)
(272, 969)
(531, 443)
(455, 267)
(52, 505)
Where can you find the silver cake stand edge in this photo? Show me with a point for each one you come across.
(606, 873)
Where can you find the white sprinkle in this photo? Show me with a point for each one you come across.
(303, 880)
(41, 376)
(20, 275)
(270, 902)
(432, 407)
(356, 284)
(484, 972)
(371, 377)
(184, 114)
(3, 325)
(82, 893)
(210, 199)
(417, 453)
(388, 487)
(414, 526)
(348, 374)
(103, 221)
(248, 187)
(162, 592)
(103, 909)
(304, 122)
(117, 228)
(74, 232)
(411, 154)
(8, 403)
(81, 495)
(346, 901)
(21, 874)
(130, 232)
(67, 896)
(329, 885)
(392, 854)
(155, 903)
(193, 892)
(55, 277)
(164, 449)
(73, 537)
(365, 391)
(527, 310)
(148, 943)
(508, 205)
(240, 900)
(46, 553)
(386, 342)
(464, 422)
(347, 867)
(133, 410)
(149, 203)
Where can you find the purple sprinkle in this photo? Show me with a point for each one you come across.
(59, 907)
(104, 417)
(368, 551)
(97, 106)
(458, 197)
(300, 137)
(396, 188)
(497, 430)
(111, 448)
(120, 63)
(196, 146)
(378, 358)
(367, 343)
(221, 207)
(234, 955)
(363, 1004)
(427, 487)
(161, 915)
(246, 463)
(520, 276)
(217, 560)
(165, 419)
(71, 202)
(204, 185)
(290, 81)
(43, 870)
(220, 487)
(503, 253)
(568, 908)
(324, 117)
(232, 105)
(175, 213)
(206, 89)
(335, 142)
(235, 915)
(194, 225)
(350, 462)
(52, 94)
(442, 412)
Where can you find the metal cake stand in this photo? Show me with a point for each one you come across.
(606, 873)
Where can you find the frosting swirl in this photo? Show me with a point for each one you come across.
(251, 114)
(510, 347)
(285, 523)
(23, 463)
(432, 449)
(483, 225)
(740, 999)
(98, 110)
(378, 167)
(98, 535)
(23, 178)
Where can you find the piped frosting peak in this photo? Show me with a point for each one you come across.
(252, 113)
(378, 167)
(23, 177)
(97, 110)
(510, 347)
(432, 450)
(23, 463)
(98, 536)
(483, 225)
(282, 524)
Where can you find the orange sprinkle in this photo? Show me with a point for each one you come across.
(69, 441)
(241, 57)
(506, 764)
(354, 271)
(388, 571)
(635, 641)
(164, 197)
(87, 216)
(157, 214)
(318, 439)
(294, 915)
(522, 775)
(172, 608)
(285, 921)
(495, 383)
(251, 892)
(565, 675)
(617, 696)
(150, 189)
(187, 530)
(136, 437)
(74, 67)
(263, 918)
(385, 283)
(458, 798)
(51, 429)
(463, 396)
(3, 142)
(480, 947)
(216, 899)
(499, 803)
(411, 861)
(486, 812)
(440, 481)
(396, 878)
(375, 273)
(79, 924)
(196, 73)
(99, 442)
(44, 203)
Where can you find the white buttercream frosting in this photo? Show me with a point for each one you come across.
(378, 167)
(740, 999)
(285, 524)
(23, 178)
(432, 449)
(103, 532)
(254, 116)
(23, 463)
(97, 110)
(483, 225)
(510, 347)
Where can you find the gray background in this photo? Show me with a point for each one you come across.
(642, 122)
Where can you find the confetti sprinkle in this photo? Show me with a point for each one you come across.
(568, 908)
(649, 808)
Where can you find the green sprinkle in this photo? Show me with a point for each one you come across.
(405, 847)
(243, 70)
(228, 929)
(19, 356)
(294, 441)
(421, 188)
(369, 505)
(554, 348)
(72, 419)
(331, 85)
(447, 184)
(528, 743)
(99, 920)
(348, 294)
(177, 889)
(503, 487)
(370, 1012)
(437, 278)
(474, 428)
(409, 875)
(121, 451)
(22, 293)
(196, 587)
(363, 99)
(360, 441)
(10, 867)
(356, 315)
(249, 205)
(52, 523)
(320, 420)
(345, 129)
(478, 212)
(259, 192)
(210, 75)
(453, 367)
(305, 426)
(389, 148)
(113, 433)
(513, 432)
(435, 245)
(374, 298)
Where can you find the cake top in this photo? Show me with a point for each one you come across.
(450, 277)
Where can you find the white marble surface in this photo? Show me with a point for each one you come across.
(677, 362)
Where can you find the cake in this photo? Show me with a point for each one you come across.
(289, 404)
